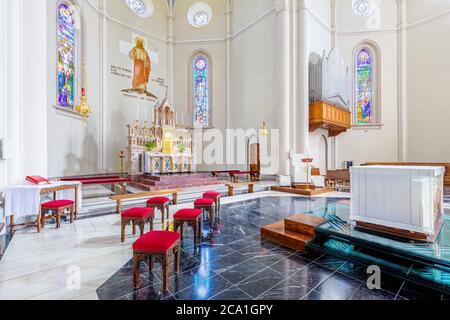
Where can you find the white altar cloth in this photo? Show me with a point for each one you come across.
(24, 200)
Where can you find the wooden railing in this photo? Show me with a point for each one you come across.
(322, 115)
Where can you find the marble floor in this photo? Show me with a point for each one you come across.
(234, 264)
(86, 260)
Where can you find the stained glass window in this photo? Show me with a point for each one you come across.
(66, 43)
(201, 92)
(364, 86)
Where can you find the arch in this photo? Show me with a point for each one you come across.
(366, 84)
(200, 89)
(323, 161)
(70, 52)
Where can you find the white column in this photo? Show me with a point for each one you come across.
(171, 50)
(303, 96)
(284, 83)
(334, 44)
(103, 116)
(14, 103)
(402, 81)
(34, 87)
(294, 76)
(229, 35)
(3, 85)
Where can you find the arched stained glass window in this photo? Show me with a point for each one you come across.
(364, 86)
(66, 43)
(201, 91)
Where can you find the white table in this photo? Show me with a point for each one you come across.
(25, 200)
(400, 197)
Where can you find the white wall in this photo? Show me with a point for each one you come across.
(73, 148)
(428, 81)
(376, 144)
(254, 66)
(24, 89)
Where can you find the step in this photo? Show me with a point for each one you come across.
(277, 233)
(303, 224)
(396, 265)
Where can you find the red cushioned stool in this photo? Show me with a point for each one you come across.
(206, 205)
(137, 217)
(193, 217)
(57, 209)
(160, 203)
(158, 245)
(215, 196)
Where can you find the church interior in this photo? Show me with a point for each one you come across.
(224, 150)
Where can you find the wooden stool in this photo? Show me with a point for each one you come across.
(206, 205)
(215, 196)
(193, 218)
(57, 208)
(160, 203)
(137, 217)
(158, 245)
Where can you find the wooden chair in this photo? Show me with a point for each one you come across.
(159, 246)
(57, 209)
(136, 217)
(191, 217)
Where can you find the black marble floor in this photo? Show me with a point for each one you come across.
(234, 264)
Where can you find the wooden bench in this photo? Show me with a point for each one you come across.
(103, 180)
(235, 175)
(144, 195)
(232, 186)
(218, 173)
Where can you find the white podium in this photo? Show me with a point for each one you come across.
(407, 199)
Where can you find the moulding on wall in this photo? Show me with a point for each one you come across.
(429, 19)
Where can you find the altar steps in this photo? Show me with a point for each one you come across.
(154, 183)
(294, 232)
(397, 265)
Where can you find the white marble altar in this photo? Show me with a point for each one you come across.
(406, 198)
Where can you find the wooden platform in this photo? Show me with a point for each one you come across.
(294, 232)
(302, 192)
(410, 235)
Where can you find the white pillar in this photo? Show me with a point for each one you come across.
(3, 85)
(171, 50)
(303, 92)
(284, 83)
(334, 44)
(294, 76)
(34, 87)
(103, 116)
(14, 105)
(402, 81)
(229, 35)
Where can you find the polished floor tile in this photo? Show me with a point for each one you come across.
(261, 282)
(233, 263)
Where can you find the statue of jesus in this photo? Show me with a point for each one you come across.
(142, 66)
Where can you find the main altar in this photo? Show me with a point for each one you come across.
(163, 147)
